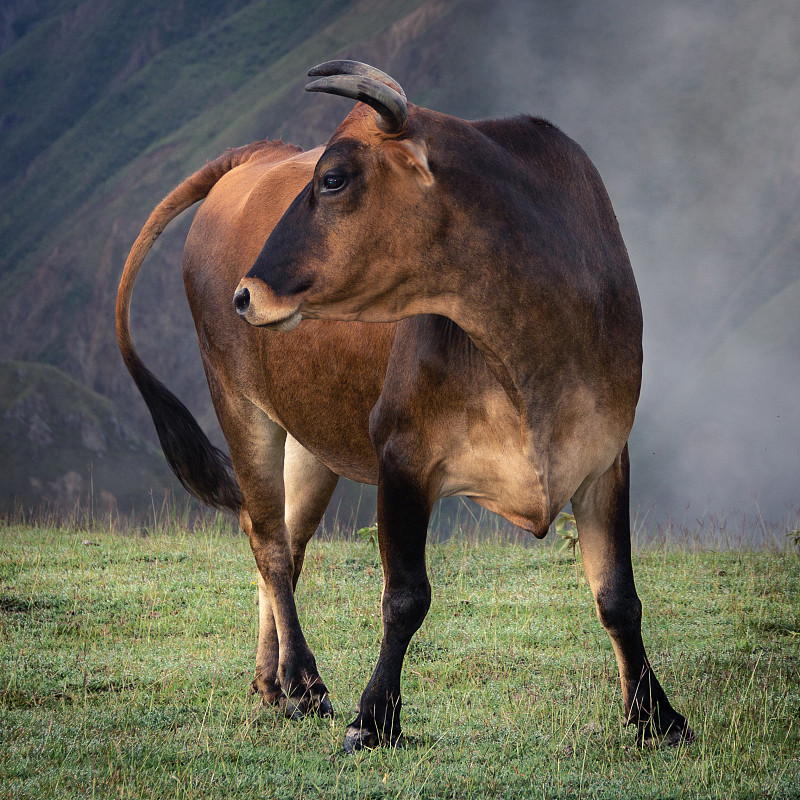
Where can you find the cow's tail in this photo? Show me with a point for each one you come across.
(203, 469)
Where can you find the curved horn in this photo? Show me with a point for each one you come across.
(388, 102)
(345, 67)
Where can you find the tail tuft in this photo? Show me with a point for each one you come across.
(203, 469)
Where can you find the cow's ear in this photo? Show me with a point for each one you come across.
(407, 155)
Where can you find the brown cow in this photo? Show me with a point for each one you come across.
(505, 364)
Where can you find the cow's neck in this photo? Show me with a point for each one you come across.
(496, 324)
(502, 361)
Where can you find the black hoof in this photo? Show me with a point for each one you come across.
(325, 707)
(357, 738)
(293, 707)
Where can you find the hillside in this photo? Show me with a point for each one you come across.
(689, 113)
(64, 442)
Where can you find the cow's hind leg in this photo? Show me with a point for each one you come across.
(308, 485)
(602, 515)
(257, 452)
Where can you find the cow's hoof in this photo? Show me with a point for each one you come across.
(676, 733)
(325, 707)
(270, 693)
(299, 707)
(357, 738)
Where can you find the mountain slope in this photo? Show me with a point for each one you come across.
(63, 442)
(690, 113)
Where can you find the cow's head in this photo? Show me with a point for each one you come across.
(356, 242)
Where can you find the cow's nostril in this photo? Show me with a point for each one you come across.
(241, 301)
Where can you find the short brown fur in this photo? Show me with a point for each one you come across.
(470, 326)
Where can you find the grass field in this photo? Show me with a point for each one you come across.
(125, 661)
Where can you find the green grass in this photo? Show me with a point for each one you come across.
(125, 661)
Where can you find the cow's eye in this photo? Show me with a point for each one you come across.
(333, 181)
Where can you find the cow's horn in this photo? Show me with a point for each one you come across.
(345, 67)
(388, 102)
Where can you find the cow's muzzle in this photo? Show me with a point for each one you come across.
(257, 304)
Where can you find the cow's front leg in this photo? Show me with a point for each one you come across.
(403, 512)
(602, 514)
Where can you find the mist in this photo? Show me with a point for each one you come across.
(691, 112)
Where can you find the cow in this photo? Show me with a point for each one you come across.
(436, 306)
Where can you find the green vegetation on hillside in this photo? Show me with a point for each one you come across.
(125, 662)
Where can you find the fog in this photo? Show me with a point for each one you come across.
(691, 112)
